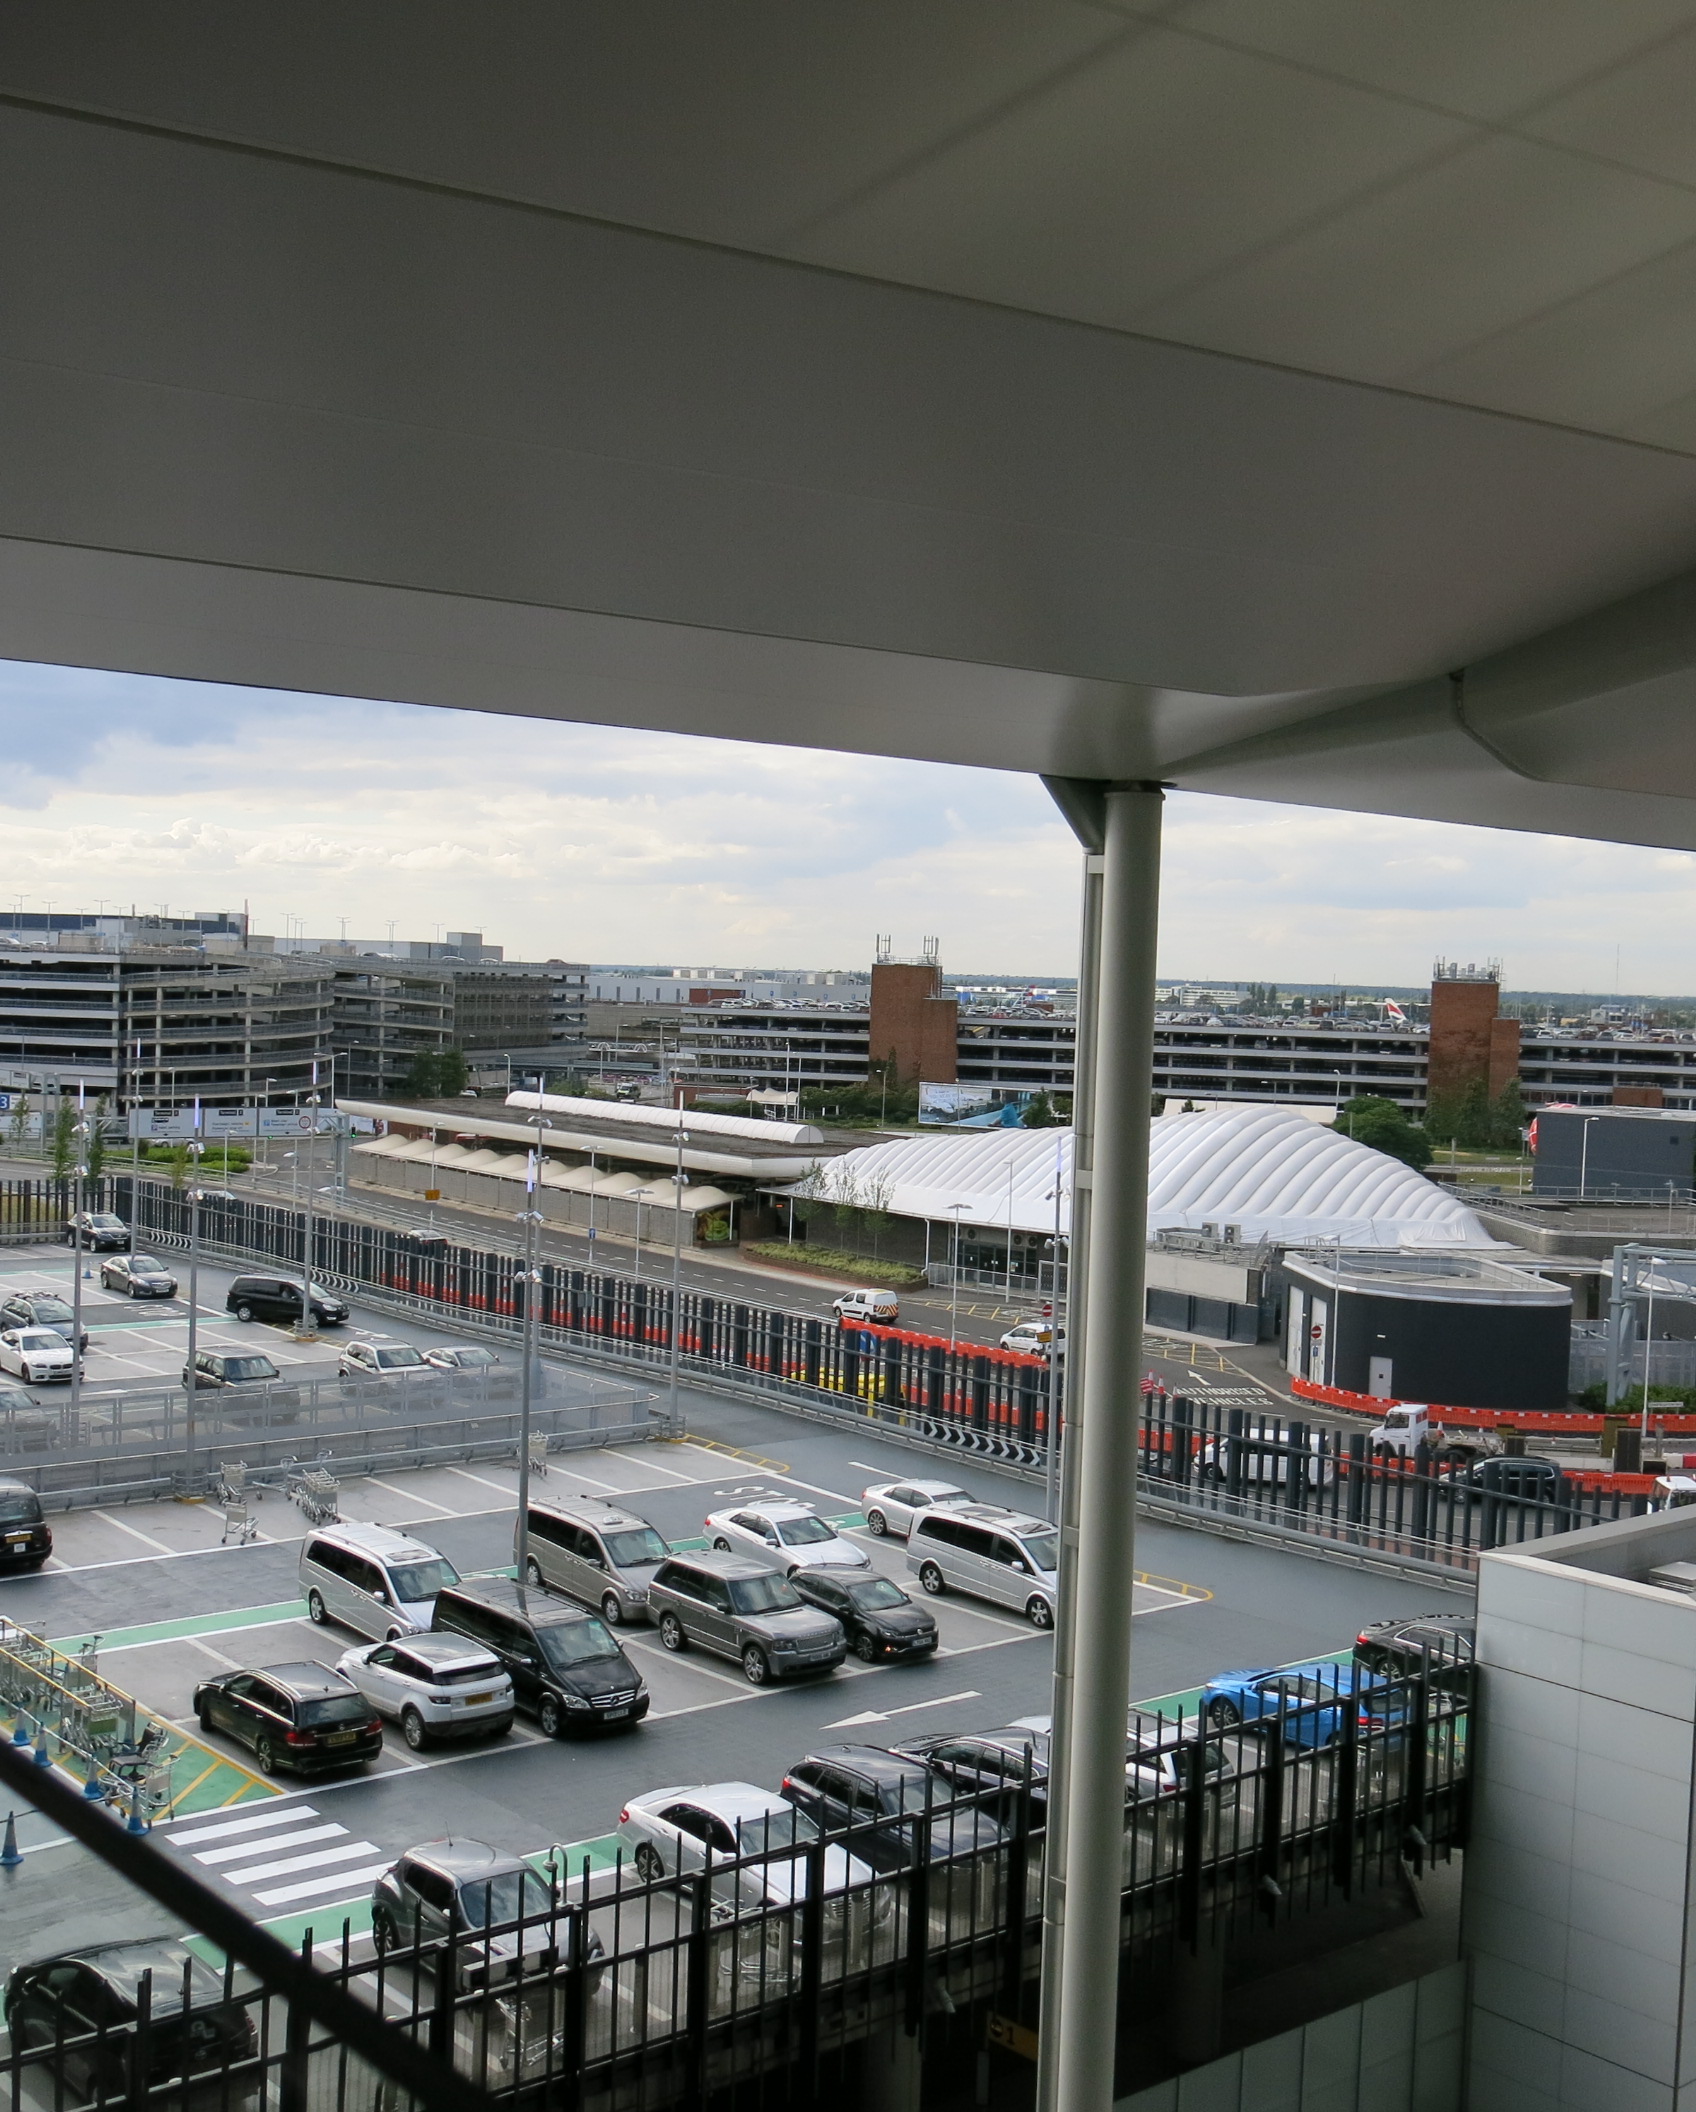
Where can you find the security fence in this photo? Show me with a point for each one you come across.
(757, 1969)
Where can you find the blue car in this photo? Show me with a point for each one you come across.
(1313, 1700)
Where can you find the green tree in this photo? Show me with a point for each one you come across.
(64, 1141)
(21, 1112)
(423, 1080)
(94, 1156)
(1383, 1126)
(1040, 1114)
(452, 1074)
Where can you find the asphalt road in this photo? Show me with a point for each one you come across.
(173, 1607)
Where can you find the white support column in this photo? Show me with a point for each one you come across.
(1093, 1639)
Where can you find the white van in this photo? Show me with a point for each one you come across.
(375, 1582)
(989, 1553)
(883, 1307)
(1031, 1338)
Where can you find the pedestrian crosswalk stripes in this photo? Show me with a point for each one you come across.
(294, 1842)
(336, 1886)
(235, 1852)
(348, 1852)
(256, 1822)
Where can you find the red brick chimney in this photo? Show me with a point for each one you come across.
(913, 1023)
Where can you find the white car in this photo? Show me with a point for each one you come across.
(433, 1686)
(669, 1832)
(892, 1506)
(1033, 1338)
(380, 1360)
(35, 1354)
(791, 1535)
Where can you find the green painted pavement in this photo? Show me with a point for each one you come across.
(188, 1626)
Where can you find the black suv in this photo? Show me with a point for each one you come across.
(26, 1539)
(995, 1762)
(42, 1309)
(566, 1669)
(878, 1804)
(1438, 1644)
(101, 1231)
(302, 1716)
(278, 1298)
(82, 2005)
(882, 1624)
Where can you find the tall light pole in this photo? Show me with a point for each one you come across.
(677, 1180)
(954, 1274)
(1051, 1460)
(78, 1206)
(191, 1379)
(304, 1331)
(532, 1219)
(1584, 1156)
(1648, 1352)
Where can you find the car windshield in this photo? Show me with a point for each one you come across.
(145, 1265)
(249, 1368)
(19, 1507)
(103, 1221)
(473, 1359)
(1043, 1549)
(784, 1827)
(334, 1708)
(318, 1291)
(876, 1592)
(422, 1580)
(492, 1902)
(635, 1547)
(803, 1532)
(771, 1594)
(38, 1338)
(51, 1309)
(124, 1964)
(568, 1643)
(397, 1359)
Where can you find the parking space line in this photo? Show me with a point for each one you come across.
(465, 1474)
(146, 1539)
(411, 1495)
(230, 1664)
(671, 1657)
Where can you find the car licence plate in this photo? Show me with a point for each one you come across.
(341, 1737)
(17, 1539)
(474, 1701)
(612, 1715)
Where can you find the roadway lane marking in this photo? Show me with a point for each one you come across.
(319, 1859)
(212, 1857)
(411, 1496)
(484, 1482)
(225, 1827)
(939, 1701)
(146, 1539)
(305, 1889)
(230, 1664)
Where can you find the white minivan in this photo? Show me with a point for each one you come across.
(883, 1307)
(379, 1583)
(989, 1553)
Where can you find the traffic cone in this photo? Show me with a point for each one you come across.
(20, 1730)
(10, 1854)
(134, 1823)
(92, 1787)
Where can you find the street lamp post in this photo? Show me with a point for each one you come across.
(1056, 1377)
(78, 1206)
(532, 1219)
(677, 1180)
(954, 1210)
(1584, 1156)
(1648, 1352)
(191, 1376)
(304, 1331)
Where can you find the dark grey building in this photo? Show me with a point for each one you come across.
(1614, 1152)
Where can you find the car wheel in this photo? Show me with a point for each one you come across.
(877, 1523)
(1224, 1715)
(532, 1571)
(550, 1716)
(1038, 1611)
(671, 1632)
(755, 1669)
(723, 1545)
(244, 1312)
(316, 1608)
(865, 1649)
(612, 1608)
(266, 1755)
(203, 1716)
(649, 1868)
(413, 1731)
(383, 1932)
(932, 1580)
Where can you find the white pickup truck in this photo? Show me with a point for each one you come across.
(1408, 1426)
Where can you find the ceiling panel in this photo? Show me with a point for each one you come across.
(1638, 114)
(1383, 290)
(1122, 181)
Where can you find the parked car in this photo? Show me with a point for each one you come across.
(138, 1276)
(1268, 1457)
(81, 2007)
(26, 1539)
(215, 1368)
(1439, 1644)
(44, 1309)
(1313, 1702)
(1035, 1338)
(379, 1582)
(990, 1553)
(380, 1360)
(566, 1668)
(298, 1715)
(100, 1230)
(278, 1298)
(1155, 1746)
(36, 1354)
(433, 1686)
(892, 1506)
(992, 1762)
(791, 1535)
(426, 1236)
(495, 1905)
(887, 1804)
(882, 1307)
(468, 1356)
(593, 1551)
(882, 1624)
(671, 1831)
(744, 1610)
(1515, 1480)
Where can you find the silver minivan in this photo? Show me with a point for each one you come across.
(594, 1552)
(379, 1583)
(990, 1553)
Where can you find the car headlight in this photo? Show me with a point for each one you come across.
(574, 1701)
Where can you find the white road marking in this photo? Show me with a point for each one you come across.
(305, 1890)
(320, 1859)
(254, 1824)
(499, 1488)
(411, 1496)
(146, 1539)
(212, 1857)
(195, 1642)
(938, 1701)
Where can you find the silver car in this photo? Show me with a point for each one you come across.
(788, 1535)
(593, 1551)
(433, 1686)
(465, 1889)
(892, 1506)
(744, 1610)
(140, 1275)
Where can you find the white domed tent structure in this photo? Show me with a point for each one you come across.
(1270, 1173)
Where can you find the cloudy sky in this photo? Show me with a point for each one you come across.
(611, 846)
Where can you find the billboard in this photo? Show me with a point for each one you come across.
(176, 1125)
(953, 1103)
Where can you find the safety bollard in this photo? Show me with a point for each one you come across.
(20, 1730)
(10, 1853)
(135, 1823)
(43, 1757)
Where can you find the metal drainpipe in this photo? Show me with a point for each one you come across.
(1081, 1908)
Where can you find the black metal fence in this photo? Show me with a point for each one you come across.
(681, 1975)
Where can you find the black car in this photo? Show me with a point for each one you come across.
(1438, 1644)
(567, 1670)
(26, 1539)
(994, 1762)
(42, 1309)
(882, 1624)
(302, 1716)
(277, 1298)
(82, 2005)
(213, 1368)
(138, 1276)
(1517, 1479)
(101, 1231)
(882, 1804)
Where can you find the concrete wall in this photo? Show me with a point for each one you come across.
(1395, 2052)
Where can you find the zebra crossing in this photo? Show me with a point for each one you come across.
(288, 1855)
